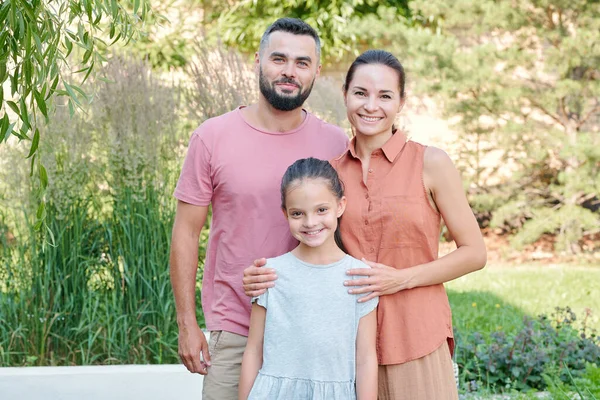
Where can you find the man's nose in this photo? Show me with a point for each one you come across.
(289, 70)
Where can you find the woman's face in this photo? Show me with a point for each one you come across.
(373, 99)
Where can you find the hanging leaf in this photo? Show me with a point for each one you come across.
(43, 177)
(34, 143)
(14, 107)
(40, 103)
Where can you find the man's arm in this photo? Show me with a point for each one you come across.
(253, 355)
(366, 357)
(189, 220)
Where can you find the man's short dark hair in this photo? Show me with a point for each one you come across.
(294, 26)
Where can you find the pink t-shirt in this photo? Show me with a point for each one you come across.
(238, 169)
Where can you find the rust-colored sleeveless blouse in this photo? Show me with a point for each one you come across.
(390, 220)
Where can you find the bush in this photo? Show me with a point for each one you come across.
(519, 361)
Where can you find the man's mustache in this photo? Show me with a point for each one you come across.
(287, 81)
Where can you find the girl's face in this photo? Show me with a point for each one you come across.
(312, 211)
(373, 99)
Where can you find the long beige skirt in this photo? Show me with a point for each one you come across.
(427, 378)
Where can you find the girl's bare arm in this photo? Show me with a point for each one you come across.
(253, 355)
(366, 358)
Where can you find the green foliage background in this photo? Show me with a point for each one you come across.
(520, 78)
(525, 84)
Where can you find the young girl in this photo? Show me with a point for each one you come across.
(309, 338)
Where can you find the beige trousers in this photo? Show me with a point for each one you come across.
(226, 352)
(427, 378)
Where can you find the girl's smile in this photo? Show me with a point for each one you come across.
(313, 233)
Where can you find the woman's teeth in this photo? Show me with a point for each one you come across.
(371, 119)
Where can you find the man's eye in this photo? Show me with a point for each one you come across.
(322, 210)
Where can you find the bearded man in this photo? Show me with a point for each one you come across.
(235, 163)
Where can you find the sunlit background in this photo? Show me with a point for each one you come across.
(510, 89)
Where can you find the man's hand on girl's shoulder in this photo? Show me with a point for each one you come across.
(258, 279)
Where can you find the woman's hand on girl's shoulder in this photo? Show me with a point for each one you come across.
(378, 280)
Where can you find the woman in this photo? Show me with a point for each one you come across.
(397, 192)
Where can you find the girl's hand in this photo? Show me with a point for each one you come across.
(380, 280)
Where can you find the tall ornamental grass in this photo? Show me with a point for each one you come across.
(95, 290)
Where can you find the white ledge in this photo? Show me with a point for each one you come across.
(115, 382)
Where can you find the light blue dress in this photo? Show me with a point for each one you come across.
(309, 350)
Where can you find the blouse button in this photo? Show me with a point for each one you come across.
(370, 170)
(366, 222)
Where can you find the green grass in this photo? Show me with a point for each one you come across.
(497, 297)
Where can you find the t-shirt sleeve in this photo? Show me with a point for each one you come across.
(345, 141)
(341, 141)
(195, 183)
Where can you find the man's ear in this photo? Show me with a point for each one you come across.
(341, 206)
(256, 62)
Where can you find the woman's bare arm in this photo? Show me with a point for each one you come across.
(443, 181)
(366, 358)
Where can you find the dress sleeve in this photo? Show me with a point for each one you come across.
(367, 306)
(262, 300)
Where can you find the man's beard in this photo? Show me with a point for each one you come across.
(279, 102)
